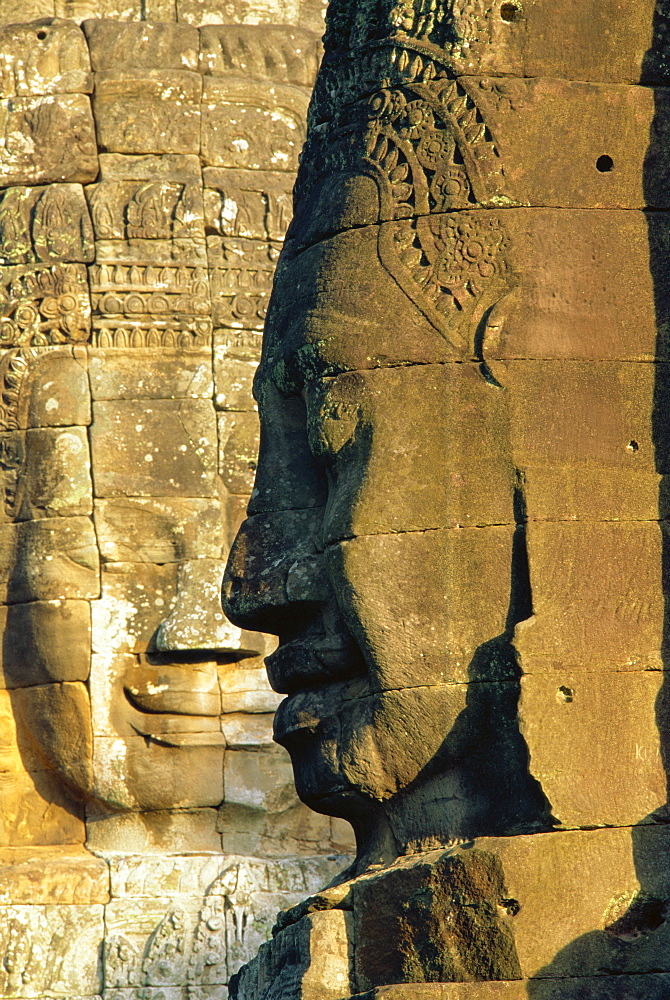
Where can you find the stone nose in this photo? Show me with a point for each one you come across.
(273, 566)
(196, 620)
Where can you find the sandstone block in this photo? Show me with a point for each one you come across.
(615, 609)
(48, 56)
(138, 774)
(144, 373)
(49, 560)
(597, 456)
(158, 530)
(45, 224)
(596, 742)
(295, 831)
(244, 730)
(253, 204)
(54, 477)
(259, 779)
(47, 139)
(151, 111)
(37, 811)
(18, 11)
(45, 641)
(245, 687)
(244, 126)
(463, 607)
(155, 832)
(44, 305)
(57, 718)
(452, 923)
(47, 389)
(50, 950)
(279, 54)
(135, 599)
(306, 961)
(172, 449)
(233, 381)
(196, 621)
(147, 197)
(241, 272)
(238, 450)
(358, 426)
(146, 296)
(145, 45)
(238, 344)
(167, 701)
(66, 876)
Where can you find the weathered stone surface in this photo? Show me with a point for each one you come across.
(452, 923)
(155, 832)
(117, 46)
(143, 373)
(622, 777)
(615, 609)
(273, 53)
(48, 56)
(47, 473)
(148, 198)
(45, 224)
(47, 139)
(50, 949)
(254, 204)
(44, 389)
(171, 449)
(197, 621)
(244, 126)
(307, 961)
(48, 560)
(245, 688)
(259, 779)
(158, 530)
(64, 876)
(44, 305)
(58, 719)
(45, 641)
(150, 111)
(241, 272)
(135, 599)
(135, 773)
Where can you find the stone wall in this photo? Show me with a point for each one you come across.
(145, 175)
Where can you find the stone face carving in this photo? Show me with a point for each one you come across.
(459, 508)
(133, 715)
(120, 665)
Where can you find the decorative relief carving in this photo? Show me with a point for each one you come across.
(241, 278)
(45, 224)
(42, 306)
(48, 56)
(47, 139)
(275, 53)
(148, 198)
(246, 126)
(252, 203)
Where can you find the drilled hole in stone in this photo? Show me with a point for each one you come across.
(41, 35)
(510, 906)
(565, 694)
(510, 12)
(632, 446)
(604, 164)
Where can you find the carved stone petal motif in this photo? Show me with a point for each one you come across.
(47, 139)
